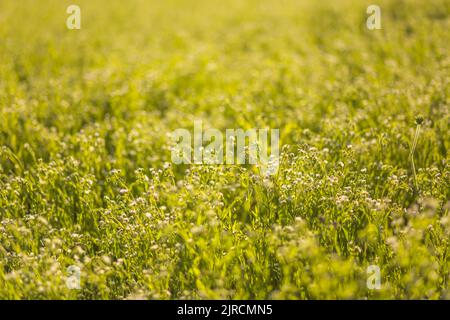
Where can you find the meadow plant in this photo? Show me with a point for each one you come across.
(88, 188)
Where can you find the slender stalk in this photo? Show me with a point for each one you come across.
(411, 156)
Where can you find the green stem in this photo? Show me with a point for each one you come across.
(411, 155)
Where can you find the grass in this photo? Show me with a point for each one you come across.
(85, 172)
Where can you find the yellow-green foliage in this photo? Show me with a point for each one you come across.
(85, 171)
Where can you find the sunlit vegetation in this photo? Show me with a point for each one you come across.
(85, 172)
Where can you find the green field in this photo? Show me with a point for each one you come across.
(86, 177)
